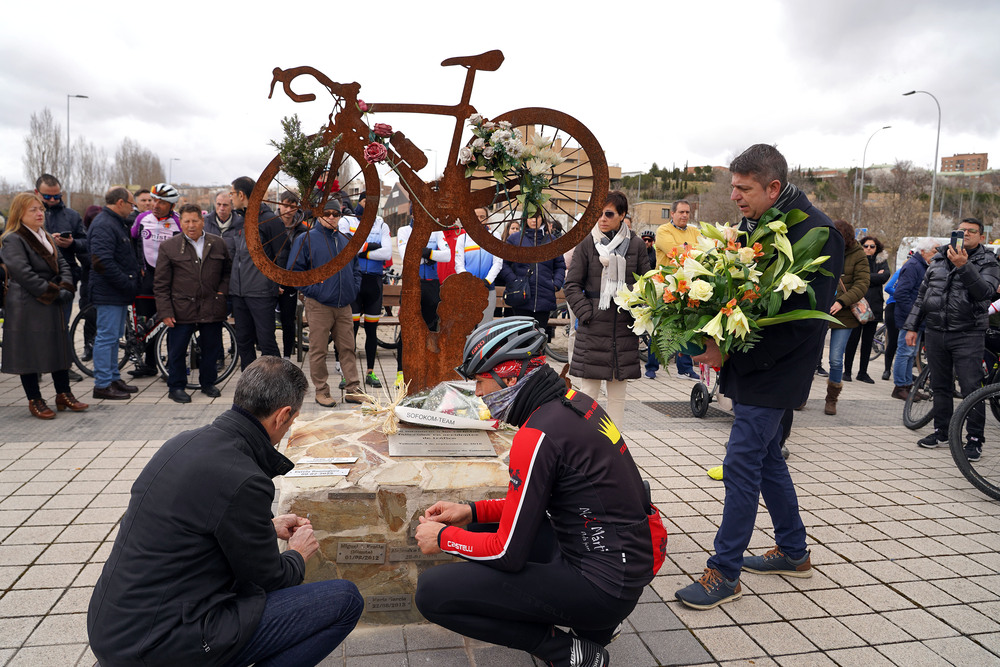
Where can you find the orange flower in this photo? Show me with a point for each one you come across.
(728, 308)
(694, 303)
(750, 295)
(668, 296)
(758, 250)
(732, 245)
(682, 286)
(657, 278)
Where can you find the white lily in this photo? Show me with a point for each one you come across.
(738, 323)
(782, 244)
(713, 327)
(790, 283)
(778, 226)
(693, 267)
(643, 321)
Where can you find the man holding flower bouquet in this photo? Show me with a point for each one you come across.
(765, 381)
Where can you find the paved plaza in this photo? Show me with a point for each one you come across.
(906, 552)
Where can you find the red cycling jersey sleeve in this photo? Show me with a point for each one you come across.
(519, 513)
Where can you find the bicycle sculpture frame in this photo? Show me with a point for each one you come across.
(431, 356)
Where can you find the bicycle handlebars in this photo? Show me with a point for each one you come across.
(347, 90)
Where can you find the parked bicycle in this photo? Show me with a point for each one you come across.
(138, 332)
(981, 467)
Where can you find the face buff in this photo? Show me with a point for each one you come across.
(500, 401)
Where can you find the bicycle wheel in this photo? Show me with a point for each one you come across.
(878, 343)
(984, 473)
(352, 172)
(557, 348)
(920, 358)
(301, 335)
(919, 407)
(388, 336)
(700, 399)
(82, 332)
(226, 364)
(577, 187)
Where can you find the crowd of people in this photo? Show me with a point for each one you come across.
(225, 595)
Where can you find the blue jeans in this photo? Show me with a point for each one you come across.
(838, 343)
(652, 363)
(110, 327)
(302, 625)
(684, 364)
(754, 467)
(902, 365)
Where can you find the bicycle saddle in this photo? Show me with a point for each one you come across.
(488, 62)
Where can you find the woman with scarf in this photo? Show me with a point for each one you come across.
(35, 339)
(605, 348)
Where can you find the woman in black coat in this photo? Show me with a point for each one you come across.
(865, 334)
(605, 348)
(35, 338)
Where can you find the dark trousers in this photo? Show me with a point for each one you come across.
(891, 334)
(518, 609)
(210, 342)
(754, 467)
(288, 300)
(864, 334)
(29, 381)
(254, 324)
(302, 625)
(949, 355)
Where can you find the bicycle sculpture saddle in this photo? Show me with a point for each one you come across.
(486, 62)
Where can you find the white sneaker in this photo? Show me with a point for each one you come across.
(338, 367)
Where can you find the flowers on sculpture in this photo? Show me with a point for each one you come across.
(727, 286)
(500, 149)
(376, 152)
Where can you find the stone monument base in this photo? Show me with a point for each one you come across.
(365, 521)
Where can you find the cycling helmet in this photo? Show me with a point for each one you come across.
(166, 192)
(491, 344)
(648, 234)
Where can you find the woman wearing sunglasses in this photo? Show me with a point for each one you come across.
(605, 348)
(879, 270)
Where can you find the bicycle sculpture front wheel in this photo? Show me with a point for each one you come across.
(557, 349)
(978, 460)
(576, 191)
(919, 406)
(226, 365)
(271, 248)
(81, 333)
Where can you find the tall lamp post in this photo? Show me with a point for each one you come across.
(170, 169)
(937, 143)
(69, 150)
(861, 190)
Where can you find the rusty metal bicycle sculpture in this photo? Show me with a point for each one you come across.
(576, 191)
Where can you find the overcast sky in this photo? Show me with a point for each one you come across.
(655, 81)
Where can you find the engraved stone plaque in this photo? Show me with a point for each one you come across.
(328, 472)
(401, 602)
(403, 553)
(441, 442)
(361, 552)
(335, 459)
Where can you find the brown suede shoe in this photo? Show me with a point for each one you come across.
(68, 400)
(38, 408)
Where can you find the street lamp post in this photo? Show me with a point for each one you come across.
(170, 169)
(937, 143)
(69, 151)
(861, 190)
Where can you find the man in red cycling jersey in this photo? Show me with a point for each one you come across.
(576, 540)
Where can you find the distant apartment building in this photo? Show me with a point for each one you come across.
(965, 162)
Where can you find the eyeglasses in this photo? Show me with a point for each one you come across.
(870, 245)
(58, 195)
(610, 214)
(331, 214)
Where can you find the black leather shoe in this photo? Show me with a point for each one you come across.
(127, 388)
(179, 396)
(74, 376)
(211, 390)
(142, 372)
(111, 393)
(886, 375)
(863, 377)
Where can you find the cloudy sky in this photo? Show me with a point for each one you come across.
(654, 81)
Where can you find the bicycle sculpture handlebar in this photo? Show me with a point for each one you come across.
(576, 188)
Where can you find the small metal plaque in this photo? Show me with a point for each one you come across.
(401, 602)
(328, 472)
(361, 552)
(403, 553)
(441, 442)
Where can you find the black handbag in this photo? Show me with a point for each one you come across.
(517, 292)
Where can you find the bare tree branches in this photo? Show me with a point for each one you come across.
(43, 147)
(91, 168)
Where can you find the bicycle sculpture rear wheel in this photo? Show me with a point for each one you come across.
(983, 472)
(353, 173)
(576, 191)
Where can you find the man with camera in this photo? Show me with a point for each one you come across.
(954, 297)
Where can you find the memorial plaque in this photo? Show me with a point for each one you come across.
(404, 553)
(441, 442)
(328, 472)
(336, 459)
(401, 602)
(361, 552)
